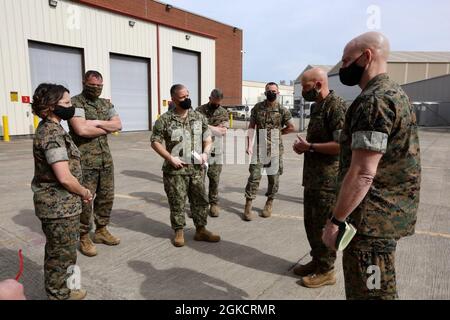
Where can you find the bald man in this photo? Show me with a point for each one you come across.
(320, 169)
(380, 171)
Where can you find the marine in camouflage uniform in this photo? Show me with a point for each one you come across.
(180, 137)
(216, 117)
(96, 161)
(381, 119)
(267, 119)
(58, 209)
(320, 173)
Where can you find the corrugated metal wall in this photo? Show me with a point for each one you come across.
(98, 33)
(432, 100)
(437, 89)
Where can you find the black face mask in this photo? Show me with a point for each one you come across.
(214, 106)
(64, 113)
(271, 96)
(352, 75)
(186, 104)
(311, 95)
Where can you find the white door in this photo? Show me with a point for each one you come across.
(130, 91)
(55, 64)
(186, 67)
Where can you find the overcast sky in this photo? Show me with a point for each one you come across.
(282, 37)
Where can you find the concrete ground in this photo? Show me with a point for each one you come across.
(253, 261)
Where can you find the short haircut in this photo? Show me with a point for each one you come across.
(217, 94)
(45, 97)
(271, 84)
(175, 88)
(92, 73)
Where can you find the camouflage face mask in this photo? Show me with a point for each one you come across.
(92, 91)
(311, 95)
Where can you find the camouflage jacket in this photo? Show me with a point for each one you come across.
(181, 137)
(215, 118)
(269, 118)
(95, 153)
(320, 170)
(52, 144)
(382, 119)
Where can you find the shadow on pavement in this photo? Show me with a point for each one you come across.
(225, 250)
(143, 175)
(183, 284)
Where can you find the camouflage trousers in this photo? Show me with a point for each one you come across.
(318, 204)
(62, 236)
(369, 269)
(180, 187)
(214, 172)
(255, 178)
(101, 183)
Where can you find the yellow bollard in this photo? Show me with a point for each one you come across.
(231, 121)
(35, 121)
(5, 129)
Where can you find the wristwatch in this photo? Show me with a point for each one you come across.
(311, 147)
(340, 224)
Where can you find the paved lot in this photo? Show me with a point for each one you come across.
(254, 260)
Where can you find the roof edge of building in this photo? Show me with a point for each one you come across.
(429, 79)
(198, 15)
(155, 21)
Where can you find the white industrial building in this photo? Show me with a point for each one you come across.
(40, 42)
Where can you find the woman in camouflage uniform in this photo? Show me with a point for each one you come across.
(58, 193)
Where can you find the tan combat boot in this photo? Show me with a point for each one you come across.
(267, 212)
(86, 246)
(204, 235)
(178, 241)
(102, 235)
(248, 215)
(214, 210)
(317, 280)
(304, 270)
(77, 294)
